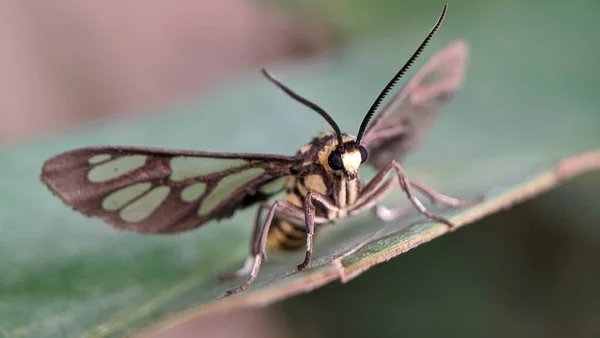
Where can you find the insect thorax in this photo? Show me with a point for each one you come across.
(318, 177)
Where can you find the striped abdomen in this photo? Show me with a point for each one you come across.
(284, 235)
(291, 235)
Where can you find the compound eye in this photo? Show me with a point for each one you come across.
(364, 154)
(335, 161)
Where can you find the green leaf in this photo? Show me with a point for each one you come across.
(506, 135)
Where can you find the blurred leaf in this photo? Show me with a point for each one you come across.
(65, 275)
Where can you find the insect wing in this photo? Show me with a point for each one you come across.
(153, 190)
(404, 121)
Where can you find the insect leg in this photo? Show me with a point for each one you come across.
(435, 197)
(372, 197)
(441, 199)
(259, 246)
(309, 217)
(375, 191)
(406, 186)
(254, 240)
(255, 266)
(256, 234)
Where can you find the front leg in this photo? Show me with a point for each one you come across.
(435, 197)
(309, 219)
(441, 199)
(406, 185)
(374, 191)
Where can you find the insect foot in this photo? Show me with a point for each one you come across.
(253, 265)
(304, 264)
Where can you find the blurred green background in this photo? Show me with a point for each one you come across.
(532, 271)
(531, 92)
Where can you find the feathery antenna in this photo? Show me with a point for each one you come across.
(398, 76)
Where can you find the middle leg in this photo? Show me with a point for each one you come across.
(258, 246)
(249, 262)
(309, 219)
(374, 191)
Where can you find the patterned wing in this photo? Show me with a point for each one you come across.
(153, 190)
(404, 121)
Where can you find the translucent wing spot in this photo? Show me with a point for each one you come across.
(274, 186)
(184, 167)
(226, 186)
(193, 192)
(115, 168)
(99, 158)
(120, 198)
(146, 205)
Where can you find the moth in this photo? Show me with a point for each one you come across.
(166, 191)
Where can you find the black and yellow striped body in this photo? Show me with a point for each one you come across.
(318, 177)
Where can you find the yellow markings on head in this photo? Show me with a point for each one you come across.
(184, 167)
(193, 192)
(226, 187)
(116, 200)
(348, 138)
(115, 168)
(325, 134)
(146, 205)
(316, 141)
(329, 147)
(316, 184)
(99, 158)
(352, 161)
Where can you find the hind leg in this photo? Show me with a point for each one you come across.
(259, 244)
(249, 262)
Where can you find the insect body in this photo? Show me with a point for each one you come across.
(287, 234)
(152, 190)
